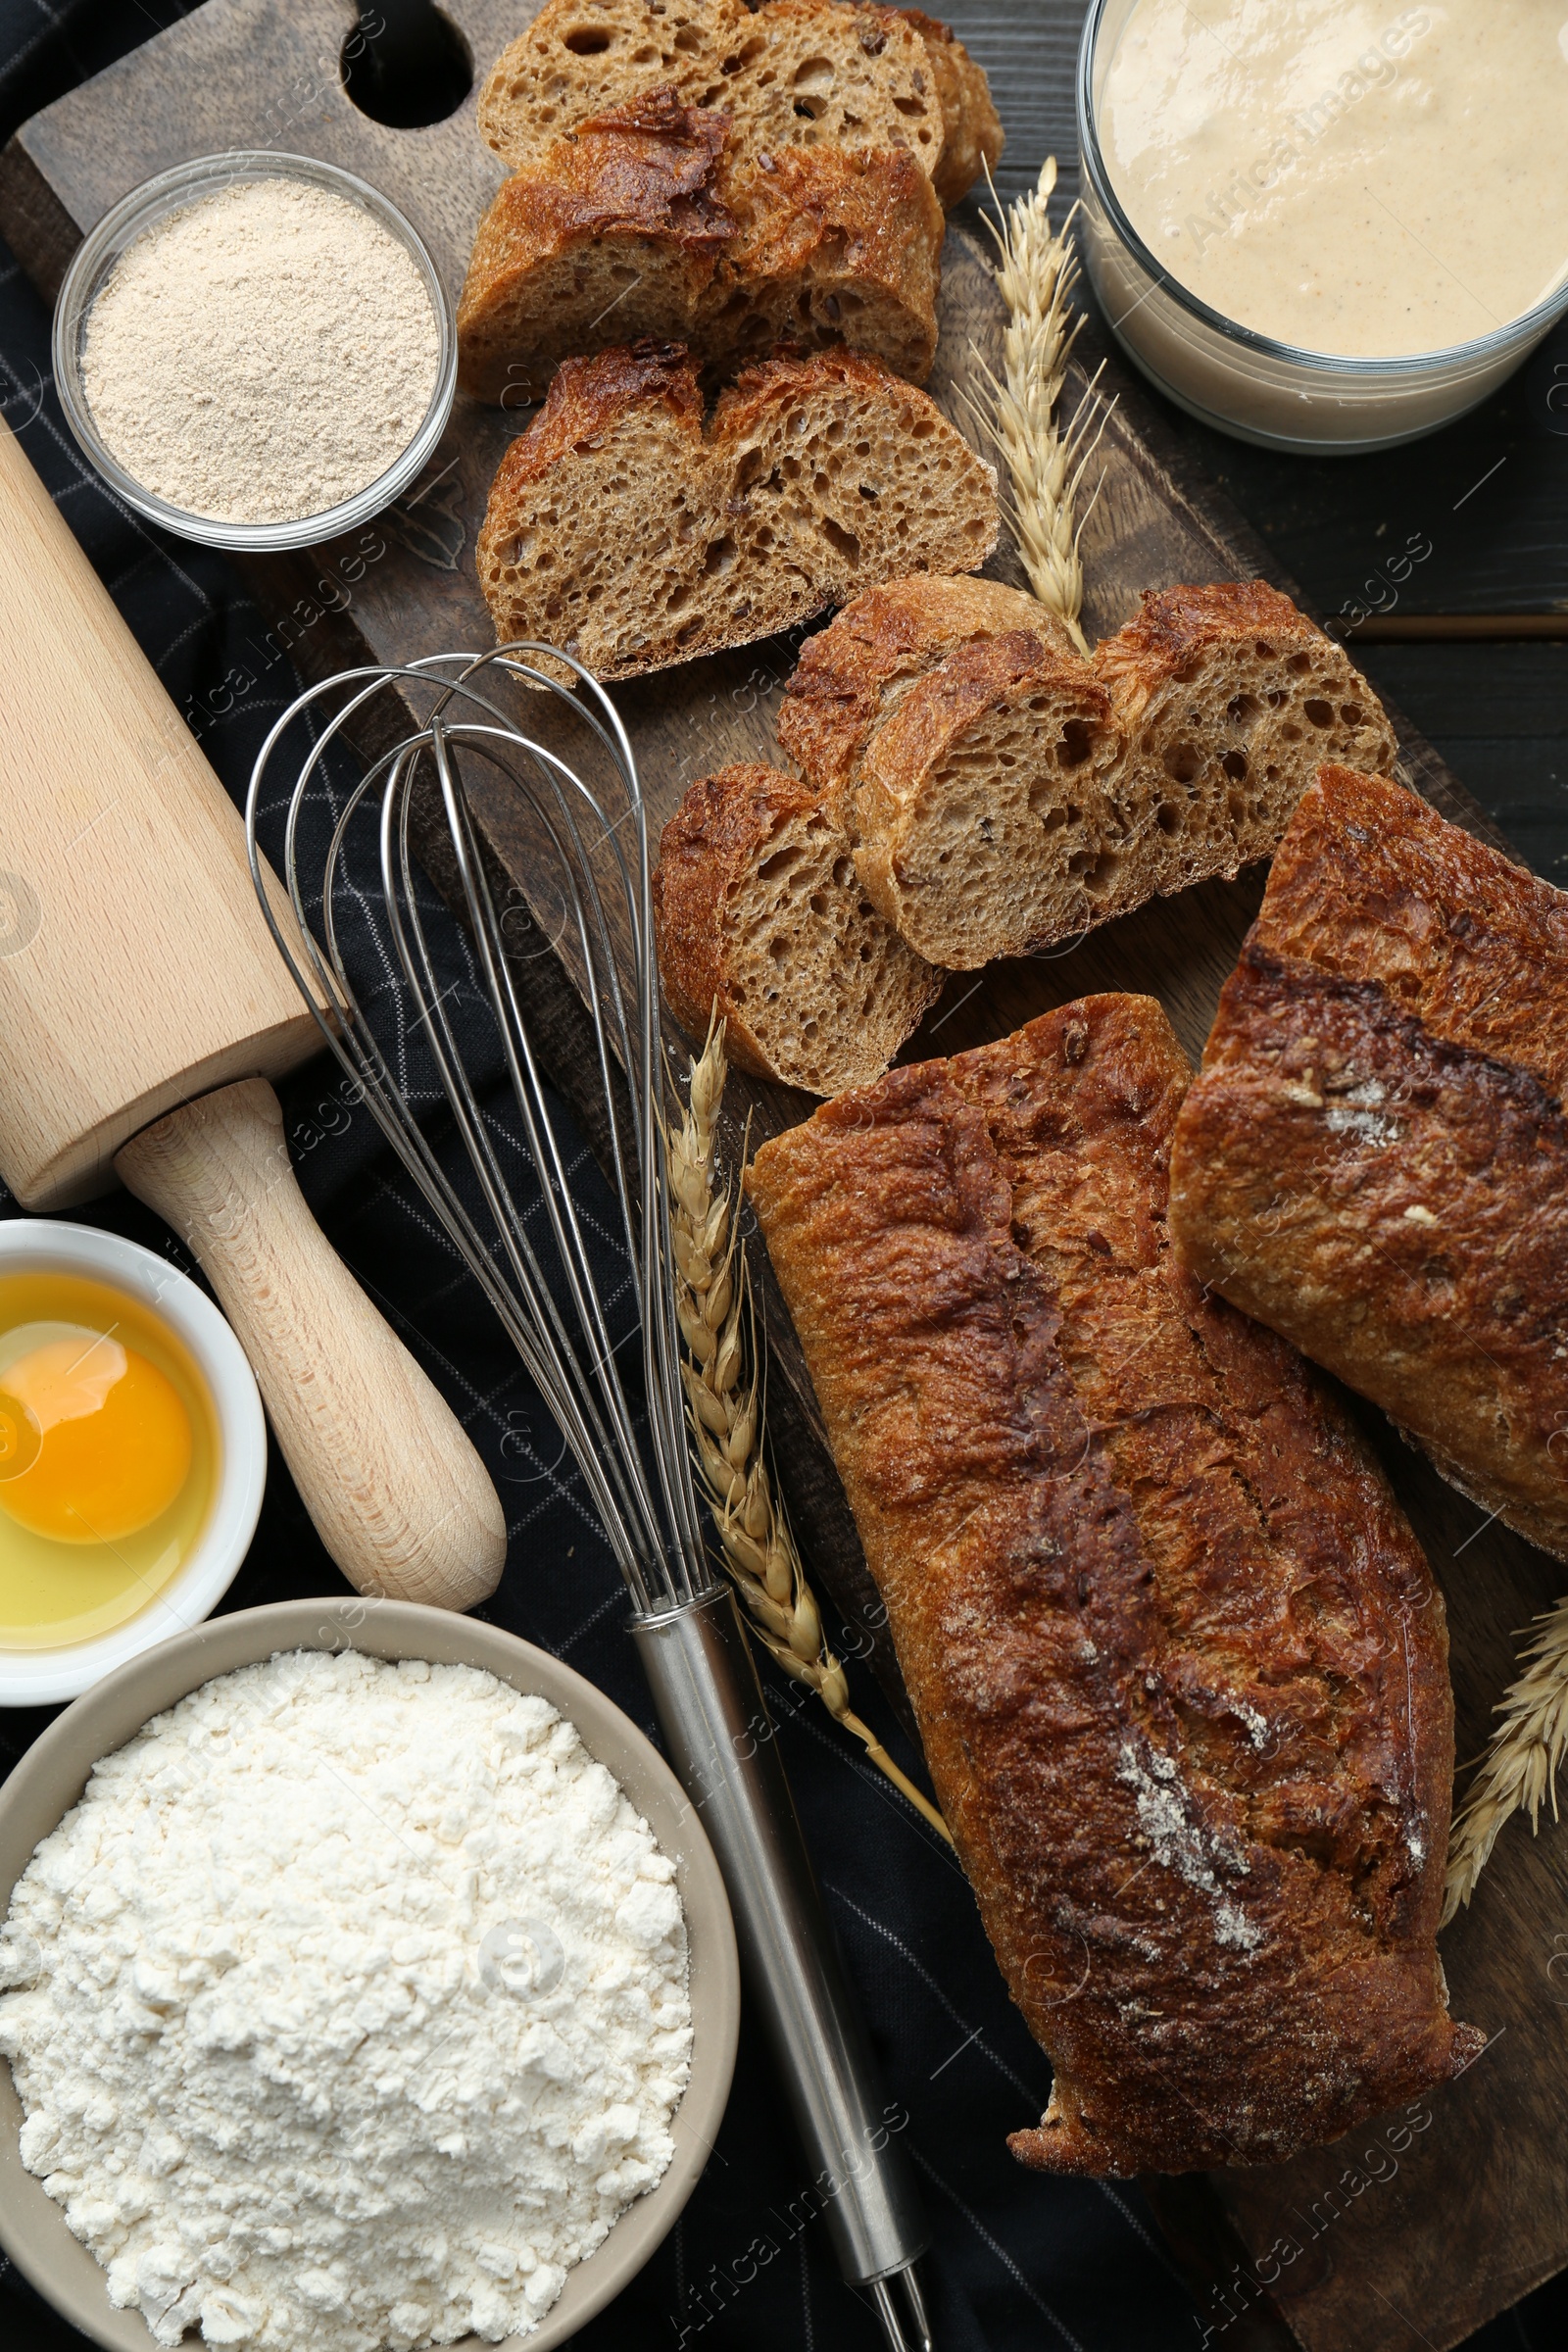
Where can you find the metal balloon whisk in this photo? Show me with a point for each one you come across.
(589, 841)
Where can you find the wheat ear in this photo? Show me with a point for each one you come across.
(1037, 273)
(722, 1375)
(1520, 1772)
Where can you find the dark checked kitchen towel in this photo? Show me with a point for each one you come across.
(1018, 2263)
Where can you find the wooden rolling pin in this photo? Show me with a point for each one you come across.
(137, 984)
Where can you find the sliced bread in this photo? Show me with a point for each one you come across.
(629, 208)
(794, 73)
(852, 676)
(630, 227)
(1228, 698)
(623, 529)
(1002, 800)
(759, 920)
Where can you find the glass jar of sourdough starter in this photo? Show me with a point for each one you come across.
(1331, 226)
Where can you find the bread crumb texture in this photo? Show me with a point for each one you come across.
(760, 922)
(724, 176)
(1005, 796)
(632, 533)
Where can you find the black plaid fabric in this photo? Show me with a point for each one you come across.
(1018, 2263)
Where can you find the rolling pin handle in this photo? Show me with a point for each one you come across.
(392, 1483)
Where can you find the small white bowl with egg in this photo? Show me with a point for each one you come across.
(133, 1456)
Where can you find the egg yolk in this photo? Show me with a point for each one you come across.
(94, 1440)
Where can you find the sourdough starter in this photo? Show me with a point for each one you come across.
(1347, 175)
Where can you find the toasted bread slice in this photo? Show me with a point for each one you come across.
(795, 74)
(635, 225)
(760, 919)
(624, 529)
(1003, 796)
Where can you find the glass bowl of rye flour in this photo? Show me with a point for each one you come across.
(256, 351)
(370, 1898)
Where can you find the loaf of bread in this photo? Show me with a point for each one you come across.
(623, 529)
(758, 920)
(1178, 1663)
(1375, 1157)
(794, 73)
(1002, 802)
(726, 176)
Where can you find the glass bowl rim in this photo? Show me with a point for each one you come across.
(1419, 364)
(119, 229)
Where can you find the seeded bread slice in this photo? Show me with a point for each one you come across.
(795, 74)
(624, 529)
(1001, 801)
(636, 223)
(757, 916)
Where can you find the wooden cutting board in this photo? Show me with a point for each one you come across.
(1409, 2234)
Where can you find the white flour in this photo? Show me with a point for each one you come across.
(351, 2008)
(261, 355)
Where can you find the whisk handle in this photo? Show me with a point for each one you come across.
(723, 1744)
(393, 1486)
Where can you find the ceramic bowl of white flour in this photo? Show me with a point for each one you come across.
(256, 351)
(375, 1982)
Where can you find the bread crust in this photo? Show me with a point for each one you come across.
(896, 89)
(642, 222)
(1172, 624)
(833, 245)
(1374, 1159)
(850, 673)
(1178, 1663)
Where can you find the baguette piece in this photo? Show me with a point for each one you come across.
(998, 809)
(797, 73)
(760, 922)
(1228, 698)
(621, 529)
(1375, 1157)
(1178, 1663)
(632, 227)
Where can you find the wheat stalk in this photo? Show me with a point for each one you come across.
(722, 1376)
(1037, 273)
(1520, 1771)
